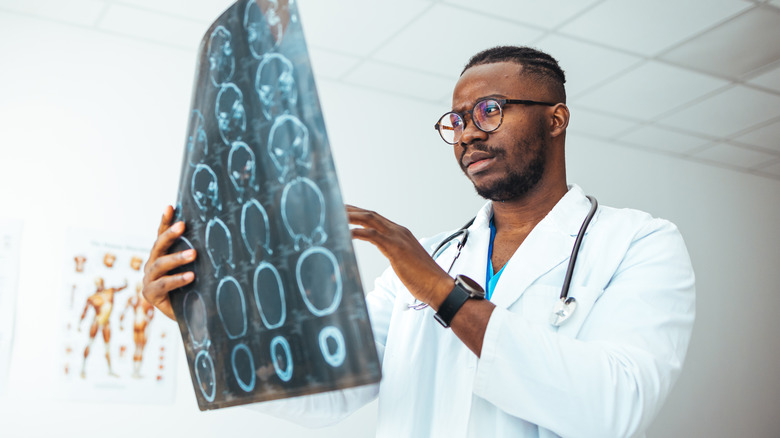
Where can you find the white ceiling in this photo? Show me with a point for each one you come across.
(696, 79)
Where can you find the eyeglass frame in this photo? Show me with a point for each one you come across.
(501, 104)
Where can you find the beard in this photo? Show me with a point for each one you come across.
(523, 177)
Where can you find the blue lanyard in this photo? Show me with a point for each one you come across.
(491, 279)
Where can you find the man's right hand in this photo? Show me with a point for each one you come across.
(157, 282)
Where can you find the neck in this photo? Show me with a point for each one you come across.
(521, 215)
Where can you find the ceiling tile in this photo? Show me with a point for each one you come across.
(156, 27)
(331, 65)
(356, 26)
(767, 136)
(401, 81)
(730, 111)
(431, 44)
(577, 60)
(734, 48)
(770, 79)
(81, 12)
(649, 27)
(547, 14)
(663, 139)
(650, 90)
(595, 124)
(206, 11)
(734, 155)
(772, 169)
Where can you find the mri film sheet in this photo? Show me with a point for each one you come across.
(277, 309)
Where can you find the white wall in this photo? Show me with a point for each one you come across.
(92, 129)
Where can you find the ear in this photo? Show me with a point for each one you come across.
(559, 119)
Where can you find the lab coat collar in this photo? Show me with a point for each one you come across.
(548, 245)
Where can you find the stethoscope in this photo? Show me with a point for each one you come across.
(564, 307)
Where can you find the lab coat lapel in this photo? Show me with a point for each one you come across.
(548, 245)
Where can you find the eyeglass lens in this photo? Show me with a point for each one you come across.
(486, 115)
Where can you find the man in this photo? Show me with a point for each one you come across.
(102, 302)
(501, 368)
(143, 312)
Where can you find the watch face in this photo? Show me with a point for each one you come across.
(473, 288)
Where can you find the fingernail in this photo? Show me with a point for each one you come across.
(187, 276)
(178, 226)
(188, 254)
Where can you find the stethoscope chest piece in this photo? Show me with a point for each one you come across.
(562, 310)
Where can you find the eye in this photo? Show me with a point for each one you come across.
(490, 108)
(455, 120)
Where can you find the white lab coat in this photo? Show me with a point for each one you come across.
(604, 373)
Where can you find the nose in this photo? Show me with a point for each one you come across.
(471, 133)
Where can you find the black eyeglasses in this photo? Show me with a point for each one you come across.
(487, 115)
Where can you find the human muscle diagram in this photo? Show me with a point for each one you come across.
(112, 347)
(276, 309)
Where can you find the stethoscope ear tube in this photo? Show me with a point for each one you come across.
(576, 249)
(565, 307)
(462, 230)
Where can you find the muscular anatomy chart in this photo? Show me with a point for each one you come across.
(276, 309)
(112, 346)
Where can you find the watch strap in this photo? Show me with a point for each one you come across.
(454, 301)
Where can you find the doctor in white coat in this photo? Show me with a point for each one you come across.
(458, 365)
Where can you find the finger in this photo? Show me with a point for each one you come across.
(351, 208)
(367, 234)
(371, 236)
(157, 292)
(159, 266)
(166, 239)
(165, 222)
(368, 219)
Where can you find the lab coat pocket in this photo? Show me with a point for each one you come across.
(538, 303)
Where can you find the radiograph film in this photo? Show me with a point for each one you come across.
(276, 309)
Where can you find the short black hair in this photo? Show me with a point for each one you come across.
(536, 63)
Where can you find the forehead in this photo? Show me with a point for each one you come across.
(495, 79)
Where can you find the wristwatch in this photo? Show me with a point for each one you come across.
(465, 288)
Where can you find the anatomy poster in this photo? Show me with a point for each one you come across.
(10, 237)
(114, 346)
(277, 309)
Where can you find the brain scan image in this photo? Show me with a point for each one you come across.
(269, 296)
(231, 307)
(196, 319)
(242, 169)
(243, 367)
(319, 280)
(219, 246)
(197, 140)
(255, 229)
(288, 145)
(274, 20)
(282, 358)
(332, 346)
(204, 372)
(303, 212)
(258, 32)
(275, 85)
(222, 63)
(205, 191)
(230, 113)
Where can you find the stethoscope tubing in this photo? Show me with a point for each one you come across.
(594, 204)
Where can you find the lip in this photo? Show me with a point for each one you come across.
(474, 157)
